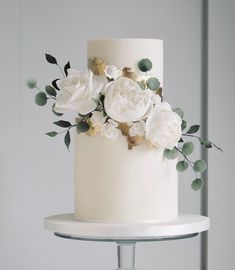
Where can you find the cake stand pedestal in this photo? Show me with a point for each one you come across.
(126, 235)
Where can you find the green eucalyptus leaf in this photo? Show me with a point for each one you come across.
(153, 83)
(67, 139)
(50, 90)
(52, 133)
(82, 126)
(62, 123)
(205, 143)
(66, 67)
(179, 112)
(31, 83)
(187, 148)
(145, 65)
(197, 184)
(170, 154)
(217, 147)
(54, 84)
(50, 59)
(199, 166)
(183, 125)
(56, 113)
(41, 99)
(182, 166)
(193, 129)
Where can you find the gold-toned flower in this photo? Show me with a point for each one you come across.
(124, 128)
(133, 141)
(126, 72)
(97, 65)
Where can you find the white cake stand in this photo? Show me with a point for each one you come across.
(126, 235)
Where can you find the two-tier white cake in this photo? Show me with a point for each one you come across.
(112, 183)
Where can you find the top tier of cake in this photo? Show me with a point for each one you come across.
(129, 52)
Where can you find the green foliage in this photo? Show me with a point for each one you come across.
(50, 59)
(54, 84)
(51, 133)
(193, 129)
(67, 139)
(153, 83)
(56, 113)
(50, 90)
(31, 83)
(66, 67)
(142, 85)
(197, 184)
(183, 125)
(179, 111)
(82, 126)
(41, 99)
(199, 166)
(205, 143)
(187, 148)
(62, 123)
(170, 154)
(182, 166)
(145, 65)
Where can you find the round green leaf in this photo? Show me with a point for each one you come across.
(170, 154)
(145, 65)
(32, 83)
(50, 90)
(83, 126)
(187, 148)
(41, 99)
(153, 83)
(179, 112)
(199, 166)
(197, 184)
(182, 166)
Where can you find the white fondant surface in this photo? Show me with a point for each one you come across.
(127, 53)
(184, 224)
(114, 184)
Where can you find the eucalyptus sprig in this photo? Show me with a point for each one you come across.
(184, 149)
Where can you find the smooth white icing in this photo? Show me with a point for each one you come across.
(112, 183)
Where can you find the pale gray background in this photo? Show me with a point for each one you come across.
(36, 172)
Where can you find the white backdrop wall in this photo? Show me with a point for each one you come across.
(36, 172)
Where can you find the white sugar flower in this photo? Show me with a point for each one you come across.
(110, 130)
(163, 127)
(78, 92)
(98, 119)
(125, 101)
(137, 129)
(112, 72)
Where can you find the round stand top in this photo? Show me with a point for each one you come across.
(185, 226)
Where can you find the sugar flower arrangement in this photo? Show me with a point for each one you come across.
(112, 102)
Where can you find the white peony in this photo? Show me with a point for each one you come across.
(137, 129)
(98, 119)
(112, 72)
(125, 101)
(163, 127)
(78, 92)
(110, 130)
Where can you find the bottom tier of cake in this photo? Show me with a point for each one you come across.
(114, 184)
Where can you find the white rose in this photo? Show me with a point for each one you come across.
(163, 127)
(78, 92)
(110, 130)
(125, 101)
(112, 72)
(98, 119)
(137, 129)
